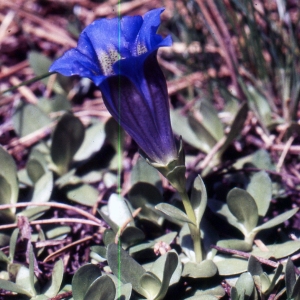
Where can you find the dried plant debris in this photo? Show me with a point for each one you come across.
(209, 213)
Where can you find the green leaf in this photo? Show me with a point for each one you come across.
(123, 290)
(211, 120)
(93, 141)
(114, 133)
(9, 182)
(245, 285)
(53, 286)
(98, 253)
(3, 257)
(236, 127)
(262, 160)
(103, 288)
(222, 209)
(151, 285)
(296, 290)
(206, 269)
(55, 104)
(230, 266)
(26, 280)
(15, 288)
(13, 243)
(5, 196)
(254, 266)
(143, 172)
(83, 279)
(169, 263)
(234, 294)
(108, 237)
(40, 64)
(125, 267)
(142, 195)
(111, 224)
(277, 220)
(278, 251)
(260, 105)
(182, 128)
(218, 292)
(265, 282)
(35, 170)
(67, 138)
(276, 276)
(171, 212)
(290, 278)
(83, 194)
(141, 247)
(132, 235)
(206, 138)
(235, 244)
(58, 232)
(243, 207)
(199, 199)
(32, 261)
(260, 188)
(118, 210)
(28, 118)
(43, 188)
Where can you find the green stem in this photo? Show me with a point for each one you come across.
(195, 231)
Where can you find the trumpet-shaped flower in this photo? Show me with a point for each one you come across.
(119, 56)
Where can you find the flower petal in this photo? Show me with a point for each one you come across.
(147, 36)
(74, 62)
(141, 105)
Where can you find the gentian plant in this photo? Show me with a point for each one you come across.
(119, 56)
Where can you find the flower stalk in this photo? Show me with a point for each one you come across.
(194, 230)
(175, 173)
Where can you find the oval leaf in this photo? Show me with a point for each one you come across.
(151, 285)
(230, 266)
(205, 269)
(93, 141)
(236, 126)
(83, 194)
(277, 220)
(103, 288)
(53, 286)
(67, 137)
(171, 212)
(182, 128)
(199, 199)
(290, 278)
(125, 267)
(8, 171)
(15, 288)
(143, 172)
(245, 285)
(28, 118)
(260, 188)
(243, 207)
(83, 279)
(143, 194)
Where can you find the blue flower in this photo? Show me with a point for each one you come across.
(119, 56)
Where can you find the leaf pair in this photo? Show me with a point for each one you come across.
(198, 202)
(244, 208)
(89, 284)
(153, 284)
